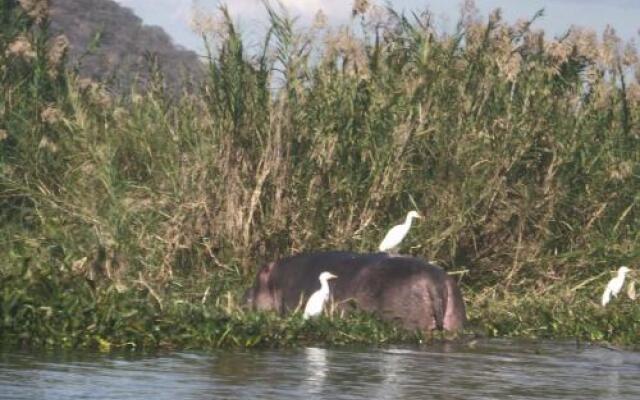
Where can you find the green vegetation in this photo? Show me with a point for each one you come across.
(139, 220)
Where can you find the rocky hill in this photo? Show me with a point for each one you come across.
(109, 42)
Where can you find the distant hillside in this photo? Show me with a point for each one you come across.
(109, 42)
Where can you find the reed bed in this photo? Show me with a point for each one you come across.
(138, 220)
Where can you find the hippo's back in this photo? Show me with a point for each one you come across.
(297, 276)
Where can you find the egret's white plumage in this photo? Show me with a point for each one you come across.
(397, 233)
(615, 285)
(315, 304)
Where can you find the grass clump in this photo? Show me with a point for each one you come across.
(136, 218)
(559, 316)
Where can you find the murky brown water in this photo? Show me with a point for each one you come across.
(487, 370)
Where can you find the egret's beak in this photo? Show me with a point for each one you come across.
(332, 276)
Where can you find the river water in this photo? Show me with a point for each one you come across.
(497, 369)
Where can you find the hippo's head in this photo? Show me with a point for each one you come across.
(260, 296)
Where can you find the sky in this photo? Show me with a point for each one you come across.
(174, 15)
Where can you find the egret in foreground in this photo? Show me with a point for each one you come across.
(397, 233)
(615, 285)
(315, 304)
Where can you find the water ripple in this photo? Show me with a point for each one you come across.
(485, 370)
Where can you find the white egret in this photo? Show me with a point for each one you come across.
(397, 233)
(614, 285)
(315, 304)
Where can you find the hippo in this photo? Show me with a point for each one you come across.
(408, 290)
